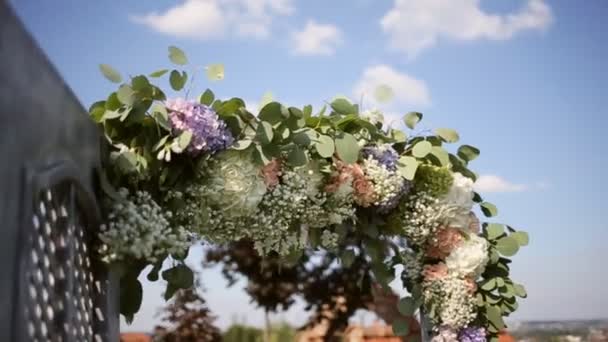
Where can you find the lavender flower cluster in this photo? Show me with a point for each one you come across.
(209, 133)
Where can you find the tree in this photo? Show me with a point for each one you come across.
(190, 318)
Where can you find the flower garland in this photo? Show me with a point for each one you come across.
(288, 180)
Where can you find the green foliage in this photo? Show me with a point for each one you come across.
(433, 180)
(468, 152)
(411, 119)
(110, 73)
(448, 135)
(177, 56)
(347, 147)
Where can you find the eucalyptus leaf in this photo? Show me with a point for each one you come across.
(207, 97)
(110, 73)
(411, 119)
(447, 134)
(325, 146)
(407, 167)
(495, 230)
(131, 294)
(421, 149)
(468, 152)
(520, 290)
(347, 148)
(343, 106)
(178, 80)
(507, 246)
(215, 72)
(272, 113)
(489, 209)
(241, 144)
(177, 56)
(522, 238)
(441, 154)
(158, 73)
(125, 95)
(264, 132)
(297, 156)
(184, 139)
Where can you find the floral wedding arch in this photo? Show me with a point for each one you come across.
(180, 171)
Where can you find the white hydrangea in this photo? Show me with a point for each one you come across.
(461, 193)
(470, 258)
(138, 228)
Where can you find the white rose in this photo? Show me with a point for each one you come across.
(461, 192)
(470, 258)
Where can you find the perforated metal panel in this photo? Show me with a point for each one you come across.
(61, 302)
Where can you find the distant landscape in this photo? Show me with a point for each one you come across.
(574, 330)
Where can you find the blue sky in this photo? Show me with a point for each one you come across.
(523, 80)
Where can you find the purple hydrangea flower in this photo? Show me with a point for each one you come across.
(384, 154)
(472, 334)
(209, 133)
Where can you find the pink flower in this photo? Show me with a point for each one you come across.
(474, 225)
(444, 242)
(271, 173)
(363, 190)
(434, 272)
(471, 285)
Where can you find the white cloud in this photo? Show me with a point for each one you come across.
(407, 90)
(316, 39)
(212, 19)
(415, 25)
(493, 183)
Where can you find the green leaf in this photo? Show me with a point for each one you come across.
(178, 80)
(110, 73)
(489, 209)
(241, 144)
(343, 106)
(447, 134)
(520, 290)
(264, 132)
(207, 97)
(488, 284)
(158, 73)
(495, 230)
(177, 56)
(153, 274)
(178, 277)
(325, 146)
(184, 139)
(297, 156)
(468, 152)
(407, 306)
(347, 148)
(125, 95)
(398, 135)
(160, 115)
(215, 72)
(140, 83)
(260, 155)
(302, 138)
(421, 149)
(494, 316)
(407, 167)
(441, 154)
(97, 110)
(383, 93)
(131, 294)
(272, 113)
(411, 119)
(507, 246)
(347, 257)
(522, 238)
(126, 161)
(401, 327)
